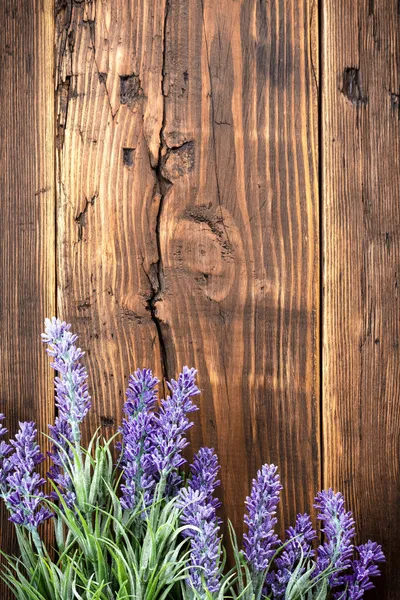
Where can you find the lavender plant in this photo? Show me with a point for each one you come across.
(141, 529)
(199, 515)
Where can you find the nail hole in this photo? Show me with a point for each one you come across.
(127, 155)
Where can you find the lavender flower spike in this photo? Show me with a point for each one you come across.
(61, 454)
(168, 435)
(298, 547)
(72, 397)
(141, 393)
(5, 464)
(24, 497)
(365, 567)
(204, 470)
(199, 511)
(136, 428)
(260, 541)
(338, 527)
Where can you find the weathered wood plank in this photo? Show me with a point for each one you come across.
(27, 251)
(109, 70)
(361, 182)
(239, 265)
(188, 218)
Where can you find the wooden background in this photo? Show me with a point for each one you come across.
(214, 184)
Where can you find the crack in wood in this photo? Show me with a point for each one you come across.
(162, 185)
(64, 96)
(80, 219)
(101, 75)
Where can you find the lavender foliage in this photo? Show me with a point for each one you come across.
(338, 529)
(151, 453)
(199, 514)
(260, 541)
(24, 497)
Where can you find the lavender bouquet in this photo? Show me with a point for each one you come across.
(141, 529)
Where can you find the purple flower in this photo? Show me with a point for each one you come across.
(141, 393)
(136, 428)
(199, 511)
(299, 540)
(3, 430)
(134, 436)
(167, 438)
(61, 434)
(5, 464)
(173, 484)
(204, 470)
(61, 454)
(338, 528)
(363, 568)
(260, 541)
(72, 396)
(72, 401)
(24, 496)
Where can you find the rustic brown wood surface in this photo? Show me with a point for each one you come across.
(187, 213)
(239, 236)
(168, 168)
(109, 115)
(27, 232)
(361, 183)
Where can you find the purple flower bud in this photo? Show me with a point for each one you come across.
(363, 568)
(134, 437)
(260, 541)
(299, 540)
(338, 528)
(61, 454)
(72, 396)
(5, 464)
(3, 430)
(141, 398)
(23, 497)
(141, 393)
(167, 439)
(199, 511)
(204, 470)
(72, 401)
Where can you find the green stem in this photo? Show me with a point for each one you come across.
(38, 542)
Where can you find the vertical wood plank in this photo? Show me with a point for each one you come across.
(187, 210)
(239, 295)
(361, 182)
(109, 117)
(27, 251)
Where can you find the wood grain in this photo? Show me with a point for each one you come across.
(361, 182)
(109, 116)
(239, 236)
(187, 211)
(172, 199)
(27, 248)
